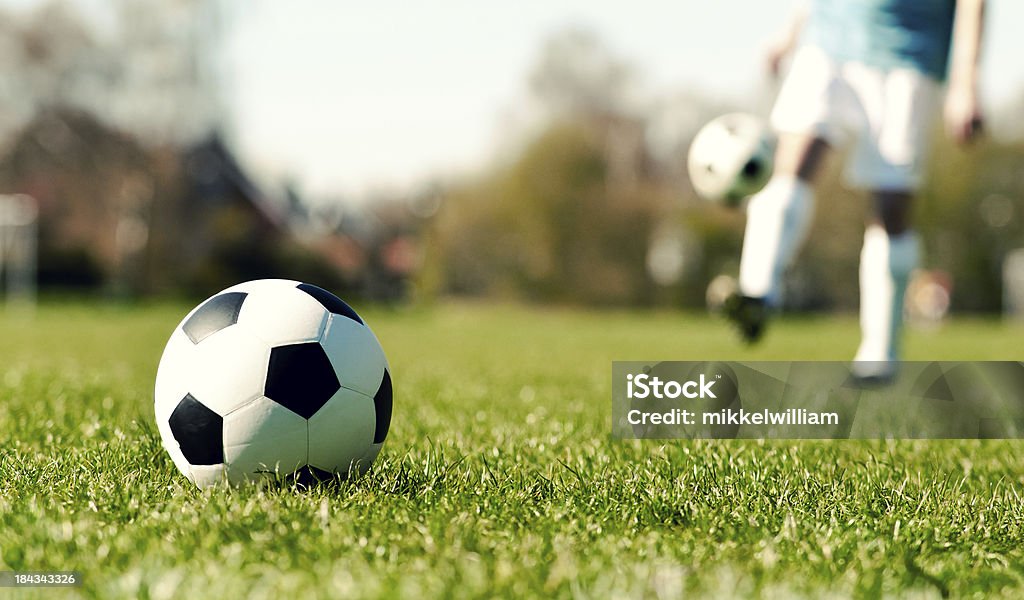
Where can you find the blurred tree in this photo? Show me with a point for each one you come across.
(114, 130)
(577, 75)
(152, 72)
(42, 56)
(550, 227)
(165, 85)
(972, 215)
(571, 218)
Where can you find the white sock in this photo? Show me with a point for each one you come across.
(778, 218)
(886, 262)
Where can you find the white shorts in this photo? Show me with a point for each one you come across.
(889, 112)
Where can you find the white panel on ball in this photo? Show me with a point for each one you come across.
(263, 438)
(206, 476)
(171, 386)
(167, 439)
(283, 314)
(230, 367)
(341, 432)
(369, 457)
(174, 373)
(356, 354)
(259, 286)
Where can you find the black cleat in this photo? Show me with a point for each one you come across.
(749, 314)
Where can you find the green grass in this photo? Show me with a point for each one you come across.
(499, 477)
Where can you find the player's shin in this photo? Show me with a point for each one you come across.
(886, 262)
(778, 218)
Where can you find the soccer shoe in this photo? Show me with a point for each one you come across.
(871, 382)
(748, 314)
(872, 374)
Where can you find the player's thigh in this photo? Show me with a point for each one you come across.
(899, 107)
(805, 113)
(800, 155)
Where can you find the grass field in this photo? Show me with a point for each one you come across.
(499, 477)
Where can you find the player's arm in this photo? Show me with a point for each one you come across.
(785, 40)
(962, 110)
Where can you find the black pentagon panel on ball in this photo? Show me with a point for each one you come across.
(382, 406)
(310, 476)
(753, 168)
(300, 378)
(199, 432)
(215, 314)
(331, 302)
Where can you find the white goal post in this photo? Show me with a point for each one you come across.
(18, 241)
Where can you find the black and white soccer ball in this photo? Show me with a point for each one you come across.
(272, 378)
(731, 158)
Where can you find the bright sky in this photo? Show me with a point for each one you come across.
(348, 97)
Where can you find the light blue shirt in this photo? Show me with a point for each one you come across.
(886, 34)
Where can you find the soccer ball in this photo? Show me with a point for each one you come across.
(272, 378)
(731, 158)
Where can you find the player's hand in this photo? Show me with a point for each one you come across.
(963, 114)
(774, 55)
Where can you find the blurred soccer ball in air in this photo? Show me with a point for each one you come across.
(272, 378)
(731, 158)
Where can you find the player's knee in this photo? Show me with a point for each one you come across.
(893, 211)
(800, 156)
(895, 228)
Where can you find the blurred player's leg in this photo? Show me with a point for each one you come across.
(890, 253)
(899, 106)
(778, 218)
